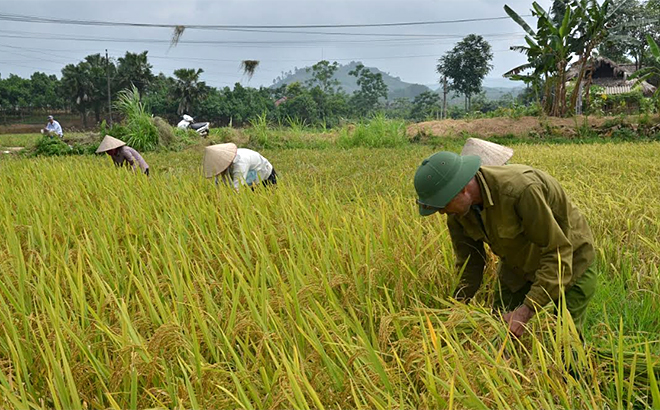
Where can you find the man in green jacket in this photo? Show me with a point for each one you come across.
(524, 215)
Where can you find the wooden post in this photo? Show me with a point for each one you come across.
(444, 98)
(107, 71)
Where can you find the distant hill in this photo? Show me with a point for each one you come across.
(395, 86)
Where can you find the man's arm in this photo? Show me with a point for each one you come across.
(541, 228)
(470, 256)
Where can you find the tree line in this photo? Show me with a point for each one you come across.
(570, 32)
(85, 88)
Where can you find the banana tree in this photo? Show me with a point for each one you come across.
(548, 50)
(650, 72)
(594, 22)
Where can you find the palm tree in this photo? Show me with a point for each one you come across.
(77, 81)
(98, 96)
(651, 71)
(188, 90)
(134, 69)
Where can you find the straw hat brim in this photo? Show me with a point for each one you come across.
(491, 154)
(217, 158)
(108, 143)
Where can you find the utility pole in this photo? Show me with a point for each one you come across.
(107, 71)
(444, 98)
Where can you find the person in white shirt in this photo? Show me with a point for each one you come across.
(238, 166)
(52, 128)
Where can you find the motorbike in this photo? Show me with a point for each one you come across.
(188, 122)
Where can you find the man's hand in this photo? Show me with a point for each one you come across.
(517, 319)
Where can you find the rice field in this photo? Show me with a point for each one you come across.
(329, 292)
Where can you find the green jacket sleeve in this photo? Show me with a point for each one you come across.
(542, 229)
(469, 254)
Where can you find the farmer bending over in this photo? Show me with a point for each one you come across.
(526, 219)
(122, 154)
(238, 166)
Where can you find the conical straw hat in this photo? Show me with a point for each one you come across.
(489, 152)
(109, 143)
(218, 158)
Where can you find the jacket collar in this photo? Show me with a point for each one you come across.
(485, 190)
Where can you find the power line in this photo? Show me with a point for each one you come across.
(35, 19)
(402, 35)
(243, 43)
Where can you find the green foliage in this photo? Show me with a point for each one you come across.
(379, 132)
(466, 66)
(425, 106)
(372, 88)
(188, 89)
(236, 107)
(159, 97)
(323, 76)
(512, 110)
(55, 147)
(300, 106)
(627, 41)
(14, 92)
(260, 131)
(44, 91)
(626, 103)
(576, 27)
(141, 132)
(134, 69)
(49, 147)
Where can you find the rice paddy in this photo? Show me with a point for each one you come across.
(125, 292)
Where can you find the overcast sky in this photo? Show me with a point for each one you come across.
(408, 52)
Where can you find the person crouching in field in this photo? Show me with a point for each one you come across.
(238, 166)
(526, 218)
(122, 154)
(53, 128)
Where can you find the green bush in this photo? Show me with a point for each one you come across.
(380, 132)
(49, 147)
(142, 134)
(116, 130)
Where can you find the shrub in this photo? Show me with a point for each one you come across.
(142, 134)
(380, 132)
(49, 147)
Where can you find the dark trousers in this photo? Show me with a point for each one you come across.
(577, 296)
(271, 180)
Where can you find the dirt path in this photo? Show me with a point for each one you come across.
(488, 127)
(10, 150)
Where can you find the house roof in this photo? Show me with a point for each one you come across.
(597, 63)
(615, 85)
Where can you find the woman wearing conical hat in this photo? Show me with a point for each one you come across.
(238, 166)
(491, 154)
(122, 154)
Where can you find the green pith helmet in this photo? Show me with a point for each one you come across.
(441, 177)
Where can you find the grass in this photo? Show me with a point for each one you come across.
(119, 291)
(19, 140)
(30, 140)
